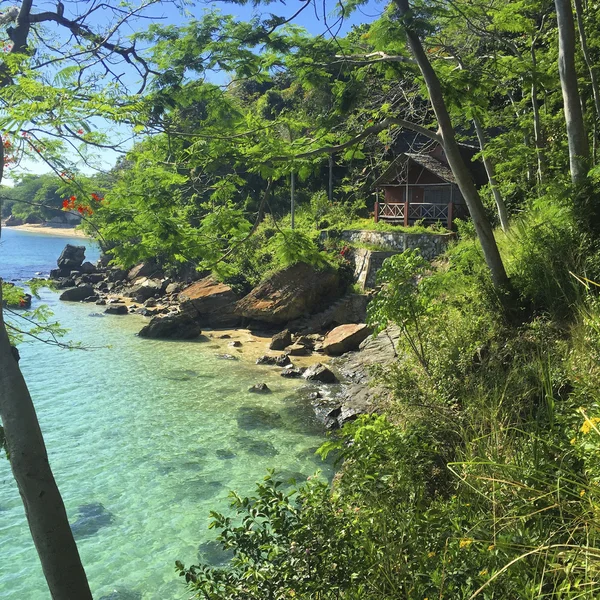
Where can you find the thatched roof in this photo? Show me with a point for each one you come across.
(396, 169)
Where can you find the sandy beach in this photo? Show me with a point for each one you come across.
(50, 230)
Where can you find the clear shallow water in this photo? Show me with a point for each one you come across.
(145, 438)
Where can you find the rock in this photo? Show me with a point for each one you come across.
(62, 284)
(345, 338)
(116, 274)
(77, 294)
(211, 302)
(289, 294)
(283, 361)
(92, 298)
(292, 372)
(59, 273)
(90, 519)
(306, 341)
(298, 350)
(92, 278)
(101, 302)
(87, 267)
(150, 303)
(71, 257)
(13, 221)
(117, 309)
(171, 326)
(144, 269)
(266, 360)
(225, 336)
(145, 289)
(173, 288)
(259, 388)
(227, 357)
(281, 340)
(235, 344)
(321, 373)
(34, 220)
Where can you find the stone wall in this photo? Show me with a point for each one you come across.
(430, 244)
(368, 262)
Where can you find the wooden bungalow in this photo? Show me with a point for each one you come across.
(420, 187)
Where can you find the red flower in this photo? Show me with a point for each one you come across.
(80, 209)
(65, 204)
(80, 131)
(96, 197)
(73, 198)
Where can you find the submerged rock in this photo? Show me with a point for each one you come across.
(259, 388)
(213, 554)
(254, 417)
(117, 309)
(257, 446)
(91, 518)
(122, 594)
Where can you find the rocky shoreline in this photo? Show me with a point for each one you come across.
(301, 313)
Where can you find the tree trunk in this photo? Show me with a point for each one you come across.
(586, 55)
(489, 169)
(576, 136)
(455, 160)
(538, 136)
(43, 504)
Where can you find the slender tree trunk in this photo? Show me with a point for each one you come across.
(538, 136)
(455, 160)
(293, 197)
(586, 55)
(330, 187)
(576, 136)
(43, 504)
(489, 169)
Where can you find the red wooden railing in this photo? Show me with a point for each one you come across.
(406, 214)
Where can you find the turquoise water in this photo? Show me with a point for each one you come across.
(145, 437)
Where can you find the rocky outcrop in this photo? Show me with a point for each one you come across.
(177, 326)
(290, 294)
(117, 309)
(345, 338)
(145, 288)
(71, 257)
(77, 294)
(145, 269)
(210, 302)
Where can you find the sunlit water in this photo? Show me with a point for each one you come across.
(145, 437)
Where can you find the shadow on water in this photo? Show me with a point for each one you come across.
(212, 553)
(90, 519)
(202, 489)
(225, 454)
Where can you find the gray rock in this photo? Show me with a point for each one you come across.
(298, 350)
(259, 388)
(88, 268)
(171, 326)
(59, 273)
(71, 257)
(235, 344)
(227, 357)
(292, 372)
(77, 294)
(321, 373)
(281, 340)
(117, 309)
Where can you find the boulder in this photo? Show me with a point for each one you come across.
(235, 344)
(289, 294)
(145, 289)
(281, 340)
(77, 294)
(172, 326)
(320, 373)
(144, 269)
(71, 257)
(283, 360)
(13, 221)
(259, 388)
(59, 273)
(211, 302)
(298, 350)
(87, 267)
(345, 338)
(227, 357)
(92, 278)
(117, 309)
(292, 372)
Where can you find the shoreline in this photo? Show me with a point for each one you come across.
(50, 230)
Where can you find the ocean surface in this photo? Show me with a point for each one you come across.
(145, 437)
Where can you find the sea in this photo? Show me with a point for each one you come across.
(145, 438)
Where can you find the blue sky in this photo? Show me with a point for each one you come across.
(320, 18)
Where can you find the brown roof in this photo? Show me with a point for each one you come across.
(395, 169)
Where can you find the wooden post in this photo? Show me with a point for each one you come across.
(293, 199)
(330, 190)
(376, 211)
(450, 214)
(406, 205)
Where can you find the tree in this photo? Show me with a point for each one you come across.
(48, 93)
